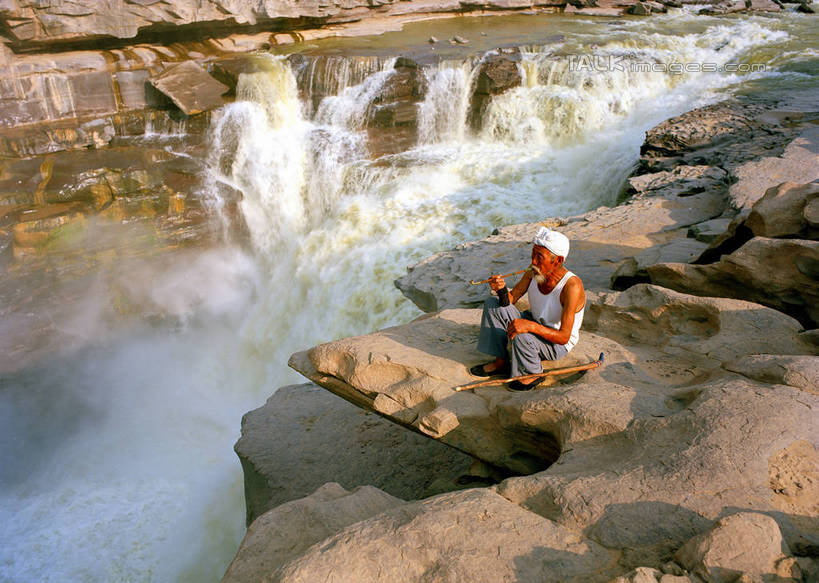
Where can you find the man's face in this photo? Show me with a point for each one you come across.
(545, 260)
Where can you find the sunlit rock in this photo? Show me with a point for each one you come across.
(801, 371)
(780, 273)
(656, 342)
(288, 531)
(665, 479)
(190, 87)
(474, 535)
(798, 163)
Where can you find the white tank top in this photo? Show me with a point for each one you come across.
(547, 309)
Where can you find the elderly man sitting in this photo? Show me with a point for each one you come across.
(549, 330)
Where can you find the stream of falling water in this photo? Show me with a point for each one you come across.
(132, 476)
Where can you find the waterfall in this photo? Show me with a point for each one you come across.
(118, 462)
(319, 77)
(442, 115)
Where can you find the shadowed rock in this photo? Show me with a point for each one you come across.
(304, 436)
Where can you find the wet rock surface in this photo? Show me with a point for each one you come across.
(190, 88)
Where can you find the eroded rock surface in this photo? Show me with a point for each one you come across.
(781, 273)
(287, 531)
(474, 535)
(656, 341)
(663, 480)
(304, 436)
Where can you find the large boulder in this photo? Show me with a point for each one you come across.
(474, 535)
(287, 531)
(781, 212)
(780, 273)
(303, 436)
(496, 75)
(746, 543)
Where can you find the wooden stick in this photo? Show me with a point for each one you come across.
(548, 373)
(473, 282)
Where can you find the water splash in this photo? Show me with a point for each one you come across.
(442, 116)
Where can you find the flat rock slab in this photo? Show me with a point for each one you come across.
(659, 342)
(474, 535)
(190, 87)
(304, 437)
(798, 163)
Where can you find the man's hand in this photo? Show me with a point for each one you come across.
(497, 283)
(518, 326)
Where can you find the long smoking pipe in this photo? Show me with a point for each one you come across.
(473, 282)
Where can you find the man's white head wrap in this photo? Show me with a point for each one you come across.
(557, 243)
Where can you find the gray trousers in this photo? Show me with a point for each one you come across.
(524, 351)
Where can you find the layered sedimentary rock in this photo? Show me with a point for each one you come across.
(769, 255)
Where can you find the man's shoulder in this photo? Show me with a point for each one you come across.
(574, 280)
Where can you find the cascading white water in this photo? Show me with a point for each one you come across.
(442, 115)
(259, 147)
(324, 76)
(134, 478)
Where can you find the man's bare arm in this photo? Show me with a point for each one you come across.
(521, 287)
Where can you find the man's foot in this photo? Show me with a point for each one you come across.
(496, 367)
(521, 386)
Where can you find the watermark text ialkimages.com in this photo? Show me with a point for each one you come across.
(600, 63)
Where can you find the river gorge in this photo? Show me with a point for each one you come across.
(133, 350)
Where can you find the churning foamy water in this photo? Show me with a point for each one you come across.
(118, 461)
